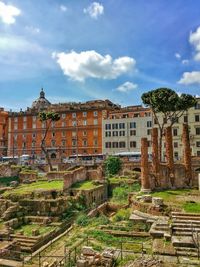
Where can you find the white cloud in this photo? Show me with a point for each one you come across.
(8, 13)
(177, 55)
(94, 10)
(194, 39)
(32, 29)
(185, 61)
(90, 64)
(190, 78)
(63, 8)
(126, 87)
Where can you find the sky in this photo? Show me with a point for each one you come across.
(80, 50)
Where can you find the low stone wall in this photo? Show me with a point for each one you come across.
(30, 176)
(50, 207)
(95, 173)
(72, 177)
(8, 170)
(95, 196)
(56, 175)
(10, 250)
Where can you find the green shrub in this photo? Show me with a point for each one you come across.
(82, 220)
(122, 215)
(112, 165)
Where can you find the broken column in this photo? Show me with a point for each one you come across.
(155, 156)
(169, 153)
(145, 183)
(187, 154)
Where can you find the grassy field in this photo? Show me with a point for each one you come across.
(86, 185)
(28, 188)
(30, 227)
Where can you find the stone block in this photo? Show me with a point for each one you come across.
(88, 251)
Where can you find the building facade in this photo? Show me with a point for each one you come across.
(123, 129)
(3, 131)
(79, 130)
(192, 117)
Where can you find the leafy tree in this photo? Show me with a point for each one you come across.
(172, 106)
(48, 118)
(112, 165)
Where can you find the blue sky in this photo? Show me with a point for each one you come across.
(80, 50)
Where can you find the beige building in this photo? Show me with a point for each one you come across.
(192, 117)
(123, 129)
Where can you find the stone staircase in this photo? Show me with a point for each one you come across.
(26, 243)
(161, 228)
(185, 229)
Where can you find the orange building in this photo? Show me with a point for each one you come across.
(79, 130)
(3, 132)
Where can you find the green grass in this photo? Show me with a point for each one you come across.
(86, 185)
(30, 227)
(28, 188)
(191, 207)
(116, 180)
(170, 195)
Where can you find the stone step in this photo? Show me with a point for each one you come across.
(176, 213)
(161, 228)
(186, 218)
(183, 251)
(183, 241)
(25, 237)
(186, 225)
(177, 233)
(10, 263)
(25, 249)
(185, 229)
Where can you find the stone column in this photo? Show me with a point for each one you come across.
(187, 153)
(169, 148)
(145, 184)
(155, 154)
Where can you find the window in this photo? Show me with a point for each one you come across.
(136, 115)
(132, 132)
(24, 136)
(108, 134)
(175, 132)
(148, 131)
(121, 125)
(33, 144)
(197, 118)
(198, 153)
(85, 122)
(24, 125)
(53, 134)
(115, 126)
(175, 144)
(122, 144)
(132, 124)
(121, 133)
(74, 123)
(53, 123)
(108, 126)
(43, 124)
(84, 142)
(185, 118)
(23, 145)
(149, 143)
(133, 144)
(115, 133)
(95, 142)
(15, 136)
(84, 114)
(63, 123)
(95, 132)
(198, 144)
(53, 142)
(73, 115)
(34, 135)
(63, 143)
(198, 130)
(176, 155)
(15, 126)
(115, 144)
(95, 113)
(108, 144)
(149, 124)
(63, 134)
(73, 142)
(84, 133)
(34, 125)
(95, 121)
(63, 116)
(197, 106)
(16, 119)
(24, 118)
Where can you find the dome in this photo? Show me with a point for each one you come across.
(41, 102)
